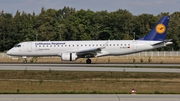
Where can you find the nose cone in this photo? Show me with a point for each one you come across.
(8, 52)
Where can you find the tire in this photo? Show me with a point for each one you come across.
(88, 61)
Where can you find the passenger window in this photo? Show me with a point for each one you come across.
(19, 45)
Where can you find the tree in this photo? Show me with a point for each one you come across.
(70, 24)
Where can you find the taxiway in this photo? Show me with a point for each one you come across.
(93, 67)
(89, 97)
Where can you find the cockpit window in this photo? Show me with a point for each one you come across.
(17, 45)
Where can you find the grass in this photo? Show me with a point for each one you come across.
(70, 75)
(113, 86)
(61, 82)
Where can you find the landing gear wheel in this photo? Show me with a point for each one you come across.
(25, 61)
(88, 61)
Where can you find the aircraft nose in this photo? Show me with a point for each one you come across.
(8, 52)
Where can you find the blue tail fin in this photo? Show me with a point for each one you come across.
(158, 33)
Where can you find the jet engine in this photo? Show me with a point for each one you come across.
(69, 56)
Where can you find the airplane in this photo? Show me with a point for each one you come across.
(73, 50)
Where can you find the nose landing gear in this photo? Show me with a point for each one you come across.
(25, 59)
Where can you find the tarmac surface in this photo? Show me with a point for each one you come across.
(93, 67)
(89, 97)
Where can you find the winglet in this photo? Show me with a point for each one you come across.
(158, 33)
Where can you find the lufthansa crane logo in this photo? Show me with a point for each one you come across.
(160, 28)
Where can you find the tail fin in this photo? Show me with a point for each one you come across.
(158, 33)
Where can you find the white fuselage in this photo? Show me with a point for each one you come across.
(56, 48)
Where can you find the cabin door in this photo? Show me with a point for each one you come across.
(29, 46)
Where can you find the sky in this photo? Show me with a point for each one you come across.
(136, 7)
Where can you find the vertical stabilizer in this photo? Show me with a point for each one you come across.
(158, 33)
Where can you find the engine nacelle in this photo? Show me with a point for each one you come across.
(69, 56)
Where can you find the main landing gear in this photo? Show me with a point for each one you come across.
(25, 59)
(88, 61)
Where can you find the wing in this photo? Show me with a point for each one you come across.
(92, 52)
(89, 52)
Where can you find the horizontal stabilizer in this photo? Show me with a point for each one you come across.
(165, 42)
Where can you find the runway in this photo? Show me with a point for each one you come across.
(91, 67)
(89, 97)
